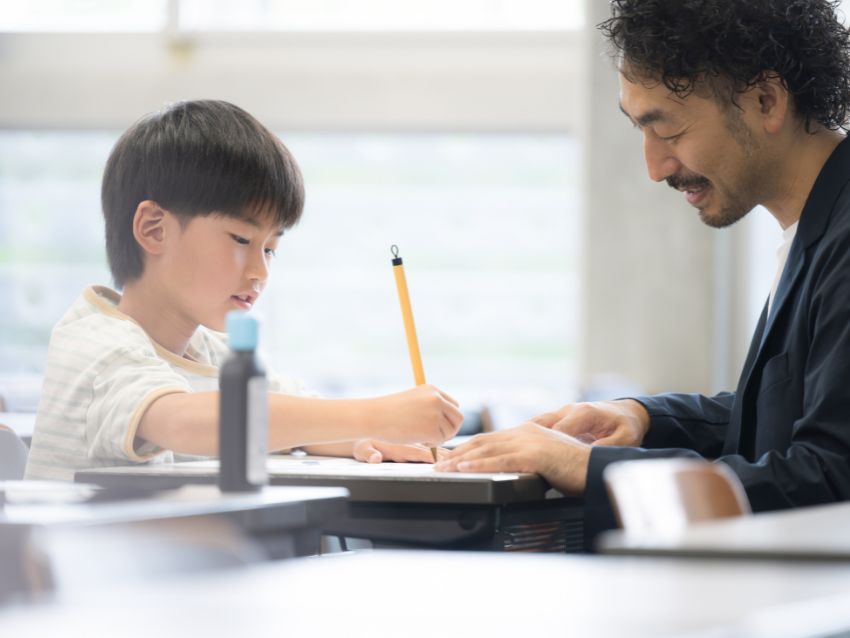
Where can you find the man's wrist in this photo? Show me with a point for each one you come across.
(641, 414)
(582, 468)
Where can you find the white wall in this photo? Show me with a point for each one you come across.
(417, 82)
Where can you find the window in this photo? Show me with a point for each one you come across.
(487, 225)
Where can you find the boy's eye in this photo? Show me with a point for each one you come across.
(240, 240)
(271, 252)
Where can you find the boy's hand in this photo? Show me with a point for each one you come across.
(423, 414)
(377, 451)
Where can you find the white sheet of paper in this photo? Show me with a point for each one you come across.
(333, 466)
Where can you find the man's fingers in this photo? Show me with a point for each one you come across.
(612, 439)
(474, 442)
(495, 462)
(546, 420)
(473, 454)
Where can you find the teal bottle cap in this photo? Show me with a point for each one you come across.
(242, 331)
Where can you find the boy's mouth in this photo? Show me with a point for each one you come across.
(244, 302)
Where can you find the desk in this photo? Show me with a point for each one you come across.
(807, 533)
(427, 594)
(406, 504)
(279, 521)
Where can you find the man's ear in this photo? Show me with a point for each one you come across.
(150, 226)
(774, 102)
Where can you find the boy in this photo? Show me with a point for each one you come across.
(195, 199)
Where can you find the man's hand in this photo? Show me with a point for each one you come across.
(623, 422)
(377, 451)
(557, 457)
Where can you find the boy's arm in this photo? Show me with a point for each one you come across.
(188, 423)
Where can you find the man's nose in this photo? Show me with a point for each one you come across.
(661, 163)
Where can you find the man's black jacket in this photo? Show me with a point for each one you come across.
(785, 431)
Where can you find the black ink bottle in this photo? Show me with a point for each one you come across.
(243, 411)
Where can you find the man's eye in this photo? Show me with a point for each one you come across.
(669, 138)
(240, 240)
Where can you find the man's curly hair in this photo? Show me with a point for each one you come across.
(740, 42)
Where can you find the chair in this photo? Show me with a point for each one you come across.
(13, 455)
(663, 496)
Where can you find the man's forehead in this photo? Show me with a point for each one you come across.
(648, 102)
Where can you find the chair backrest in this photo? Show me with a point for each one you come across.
(13, 455)
(663, 496)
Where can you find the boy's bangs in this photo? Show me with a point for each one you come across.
(263, 186)
(262, 214)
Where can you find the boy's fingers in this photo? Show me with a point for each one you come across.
(405, 453)
(449, 398)
(414, 453)
(372, 455)
(448, 428)
(455, 416)
(366, 452)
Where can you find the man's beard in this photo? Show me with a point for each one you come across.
(747, 191)
(730, 213)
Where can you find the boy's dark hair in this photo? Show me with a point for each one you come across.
(195, 158)
(740, 42)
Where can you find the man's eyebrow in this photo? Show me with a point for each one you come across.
(650, 117)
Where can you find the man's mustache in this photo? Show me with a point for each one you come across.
(686, 182)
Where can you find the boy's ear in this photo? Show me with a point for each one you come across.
(150, 224)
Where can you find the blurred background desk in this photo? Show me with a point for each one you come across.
(806, 533)
(42, 524)
(423, 594)
(406, 505)
(23, 423)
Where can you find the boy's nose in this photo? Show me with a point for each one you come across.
(258, 268)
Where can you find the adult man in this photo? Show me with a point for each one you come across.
(740, 103)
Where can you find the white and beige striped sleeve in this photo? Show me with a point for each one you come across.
(128, 381)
